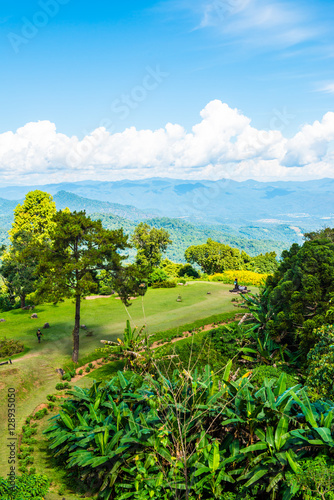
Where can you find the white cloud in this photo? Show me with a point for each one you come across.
(328, 89)
(222, 144)
(261, 23)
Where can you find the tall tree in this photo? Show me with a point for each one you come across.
(79, 247)
(297, 296)
(214, 257)
(18, 267)
(34, 216)
(150, 243)
(30, 231)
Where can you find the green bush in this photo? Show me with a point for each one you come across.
(6, 303)
(40, 414)
(226, 340)
(262, 372)
(60, 386)
(189, 271)
(67, 376)
(51, 406)
(315, 477)
(10, 347)
(28, 431)
(90, 365)
(80, 372)
(159, 417)
(158, 276)
(27, 487)
(87, 369)
(51, 397)
(320, 363)
(24, 462)
(165, 284)
(73, 373)
(28, 440)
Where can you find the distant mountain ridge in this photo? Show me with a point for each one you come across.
(74, 202)
(210, 202)
(250, 215)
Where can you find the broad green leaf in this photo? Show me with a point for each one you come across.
(227, 371)
(281, 385)
(254, 447)
(67, 420)
(281, 431)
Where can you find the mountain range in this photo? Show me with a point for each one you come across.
(251, 215)
(223, 201)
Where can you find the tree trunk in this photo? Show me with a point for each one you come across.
(75, 355)
(23, 301)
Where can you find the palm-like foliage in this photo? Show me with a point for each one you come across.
(196, 435)
(133, 348)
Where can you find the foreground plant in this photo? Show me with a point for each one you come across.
(196, 435)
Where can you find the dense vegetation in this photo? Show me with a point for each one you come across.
(194, 436)
(234, 407)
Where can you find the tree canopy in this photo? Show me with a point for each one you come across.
(33, 221)
(79, 247)
(150, 243)
(214, 257)
(297, 295)
(34, 216)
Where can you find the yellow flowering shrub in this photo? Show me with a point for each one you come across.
(244, 277)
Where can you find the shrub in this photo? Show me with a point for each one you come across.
(165, 284)
(189, 271)
(60, 386)
(51, 406)
(247, 278)
(67, 376)
(10, 347)
(158, 276)
(90, 365)
(80, 372)
(28, 431)
(40, 414)
(28, 486)
(73, 373)
(87, 369)
(51, 397)
(28, 440)
(27, 461)
(159, 417)
(320, 362)
(262, 372)
(6, 302)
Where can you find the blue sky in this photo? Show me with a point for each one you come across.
(85, 65)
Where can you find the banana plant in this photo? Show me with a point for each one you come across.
(133, 348)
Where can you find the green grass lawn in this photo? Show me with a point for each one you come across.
(33, 374)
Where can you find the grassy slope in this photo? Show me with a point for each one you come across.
(33, 375)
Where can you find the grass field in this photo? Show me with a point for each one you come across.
(33, 375)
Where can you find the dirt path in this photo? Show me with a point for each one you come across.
(204, 328)
(26, 356)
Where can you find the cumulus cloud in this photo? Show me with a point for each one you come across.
(222, 144)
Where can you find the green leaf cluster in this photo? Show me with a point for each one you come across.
(27, 487)
(320, 363)
(194, 435)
